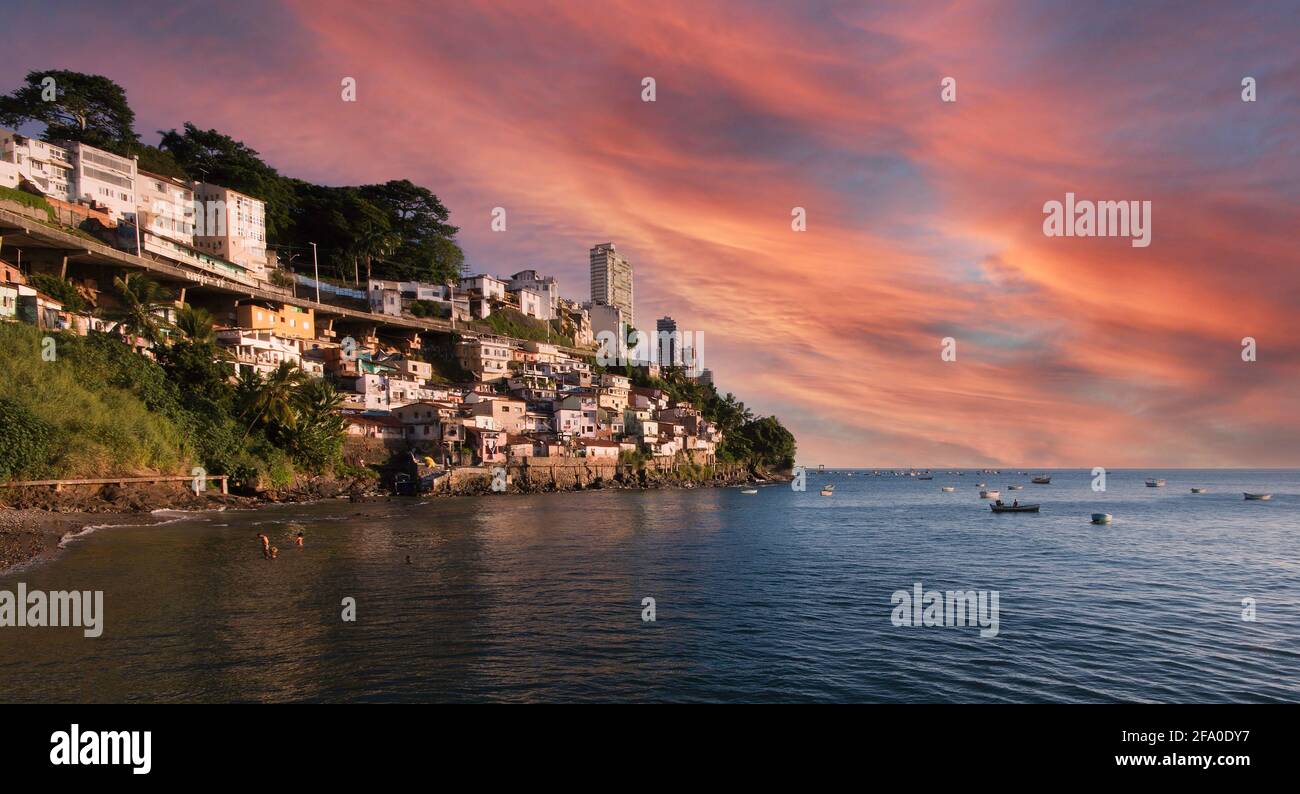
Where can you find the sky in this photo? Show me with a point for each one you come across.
(924, 217)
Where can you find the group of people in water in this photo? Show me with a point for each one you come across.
(270, 552)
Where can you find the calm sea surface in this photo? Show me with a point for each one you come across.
(770, 597)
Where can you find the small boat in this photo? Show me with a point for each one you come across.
(990, 494)
(1015, 487)
(1101, 518)
(1200, 490)
(1014, 508)
(927, 477)
(749, 490)
(947, 489)
(1258, 497)
(1044, 479)
(828, 490)
(1154, 483)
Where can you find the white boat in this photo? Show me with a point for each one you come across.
(1042, 479)
(828, 490)
(947, 489)
(1154, 483)
(1200, 490)
(1015, 487)
(980, 485)
(749, 490)
(1101, 518)
(990, 494)
(1258, 497)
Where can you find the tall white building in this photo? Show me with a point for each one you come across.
(231, 225)
(105, 179)
(165, 206)
(611, 280)
(72, 172)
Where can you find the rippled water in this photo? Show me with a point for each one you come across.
(773, 596)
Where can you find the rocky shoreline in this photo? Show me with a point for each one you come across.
(34, 522)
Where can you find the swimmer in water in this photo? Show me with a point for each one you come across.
(408, 559)
(266, 544)
(297, 541)
(274, 552)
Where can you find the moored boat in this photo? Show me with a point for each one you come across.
(1200, 490)
(1154, 483)
(1015, 487)
(828, 490)
(947, 489)
(1042, 479)
(990, 494)
(1258, 497)
(1101, 518)
(749, 490)
(1014, 508)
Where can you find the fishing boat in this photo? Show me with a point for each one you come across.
(1200, 490)
(947, 489)
(990, 494)
(1042, 479)
(1101, 518)
(1014, 508)
(1015, 487)
(749, 490)
(1258, 497)
(828, 490)
(1154, 483)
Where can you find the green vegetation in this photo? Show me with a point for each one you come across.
(90, 406)
(757, 442)
(63, 291)
(510, 322)
(27, 200)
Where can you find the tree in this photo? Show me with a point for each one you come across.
(270, 401)
(317, 438)
(212, 157)
(139, 300)
(86, 107)
(195, 324)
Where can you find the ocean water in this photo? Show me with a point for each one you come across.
(776, 596)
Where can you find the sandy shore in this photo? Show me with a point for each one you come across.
(30, 536)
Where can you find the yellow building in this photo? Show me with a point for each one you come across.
(290, 321)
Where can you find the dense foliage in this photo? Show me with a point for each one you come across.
(760, 442)
(91, 406)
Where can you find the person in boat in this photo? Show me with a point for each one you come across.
(998, 503)
(1015, 503)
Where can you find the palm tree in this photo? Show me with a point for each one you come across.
(376, 242)
(139, 299)
(271, 400)
(195, 324)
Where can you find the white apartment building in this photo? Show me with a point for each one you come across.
(47, 166)
(71, 172)
(165, 206)
(232, 226)
(545, 285)
(261, 351)
(104, 179)
(611, 279)
(490, 287)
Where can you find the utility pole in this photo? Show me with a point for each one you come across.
(315, 266)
